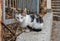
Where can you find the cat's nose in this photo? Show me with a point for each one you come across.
(21, 21)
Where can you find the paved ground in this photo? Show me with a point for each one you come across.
(44, 35)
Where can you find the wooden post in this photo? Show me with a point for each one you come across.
(48, 4)
(0, 20)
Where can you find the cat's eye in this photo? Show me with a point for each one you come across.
(21, 17)
(17, 17)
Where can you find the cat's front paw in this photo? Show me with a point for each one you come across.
(27, 30)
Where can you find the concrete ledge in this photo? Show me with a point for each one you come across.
(44, 35)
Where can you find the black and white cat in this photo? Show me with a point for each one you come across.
(31, 21)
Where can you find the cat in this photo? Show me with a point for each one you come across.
(31, 21)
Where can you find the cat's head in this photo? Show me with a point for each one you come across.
(21, 17)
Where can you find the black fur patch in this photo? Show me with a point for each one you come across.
(33, 29)
(32, 17)
(39, 20)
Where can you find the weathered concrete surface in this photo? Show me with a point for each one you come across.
(44, 35)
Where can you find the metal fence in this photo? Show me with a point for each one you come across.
(32, 5)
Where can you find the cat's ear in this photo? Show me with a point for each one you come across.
(24, 12)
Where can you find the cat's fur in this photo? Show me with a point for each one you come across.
(31, 21)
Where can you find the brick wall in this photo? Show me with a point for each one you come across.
(0, 20)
